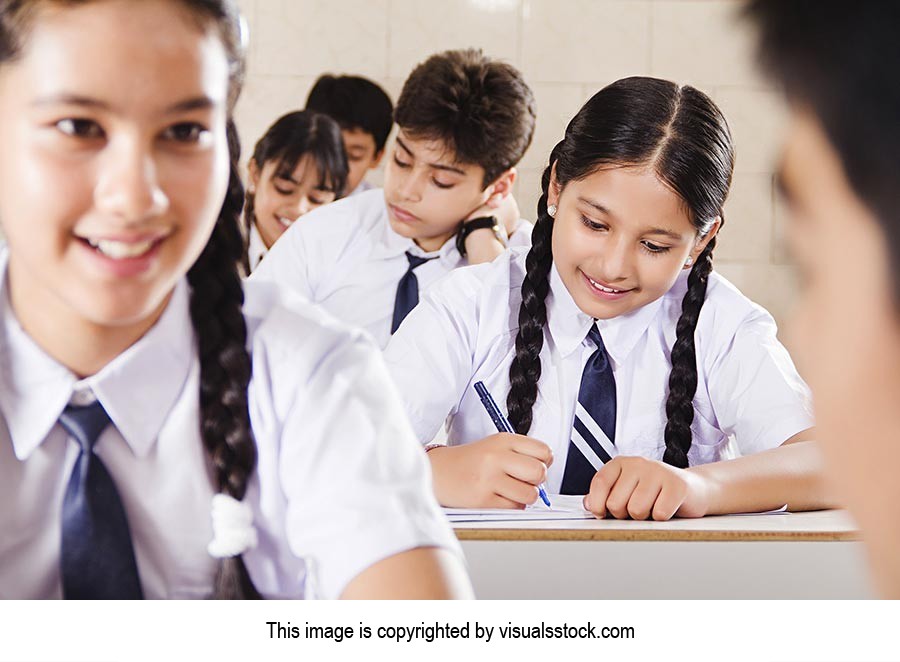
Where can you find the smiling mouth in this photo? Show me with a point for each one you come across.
(122, 250)
(605, 288)
(284, 221)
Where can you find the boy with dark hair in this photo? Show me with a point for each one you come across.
(365, 114)
(464, 121)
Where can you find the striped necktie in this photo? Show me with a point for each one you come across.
(594, 428)
(97, 557)
(407, 290)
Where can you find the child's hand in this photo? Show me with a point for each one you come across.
(638, 488)
(500, 471)
(505, 208)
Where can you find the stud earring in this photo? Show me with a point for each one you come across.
(690, 262)
(551, 211)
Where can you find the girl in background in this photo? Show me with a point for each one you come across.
(299, 164)
(628, 367)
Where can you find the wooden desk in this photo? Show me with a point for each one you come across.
(792, 555)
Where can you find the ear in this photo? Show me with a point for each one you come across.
(703, 241)
(554, 189)
(376, 161)
(501, 188)
(254, 171)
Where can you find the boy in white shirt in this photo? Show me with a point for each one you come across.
(464, 122)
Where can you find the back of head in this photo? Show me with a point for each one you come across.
(840, 60)
(354, 103)
(679, 133)
(481, 108)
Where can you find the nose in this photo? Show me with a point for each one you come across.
(615, 265)
(304, 206)
(412, 184)
(128, 186)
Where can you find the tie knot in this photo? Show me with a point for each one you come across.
(85, 423)
(595, 337)
(416, 261)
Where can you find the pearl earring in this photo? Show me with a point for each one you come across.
(551, 211)
(690, 261)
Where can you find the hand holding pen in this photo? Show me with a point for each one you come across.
(502, 424)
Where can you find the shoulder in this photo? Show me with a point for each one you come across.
(491, 281)
(290, 338)
(344, 220)
(726, 314)
(521, 236)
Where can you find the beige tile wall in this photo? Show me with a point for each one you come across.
(567, 49)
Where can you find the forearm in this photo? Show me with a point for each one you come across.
(483, 246)
(423, 573)
(791, 474)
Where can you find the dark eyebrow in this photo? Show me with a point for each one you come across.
(666, 233)
(196, 103)
(595, 205)
(436, 166)
(603, 210)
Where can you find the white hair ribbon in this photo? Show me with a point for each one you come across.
(233, 531)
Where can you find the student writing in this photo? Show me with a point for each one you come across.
(629, 364)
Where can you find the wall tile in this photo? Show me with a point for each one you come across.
(311, 37)
(419, 29)
(702, 42)
(747, 233)
(575, 41)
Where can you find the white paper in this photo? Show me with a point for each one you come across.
(563, 507)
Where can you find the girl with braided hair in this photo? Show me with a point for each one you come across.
(161, 436)
(632, 373)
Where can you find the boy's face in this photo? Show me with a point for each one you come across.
(428, 193)
(845, 335)
(362, 156)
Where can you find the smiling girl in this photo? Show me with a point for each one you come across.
(298, 165)
(635, 371)
(138, 396)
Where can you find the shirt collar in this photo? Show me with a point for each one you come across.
(138, 388)
(569, 325)
(256, 247)
(389, 244)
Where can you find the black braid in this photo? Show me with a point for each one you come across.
(683, 377)
(221, 332)
(525, 370)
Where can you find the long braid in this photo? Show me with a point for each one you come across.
(525, 370)
(221, 332)
(683, 377)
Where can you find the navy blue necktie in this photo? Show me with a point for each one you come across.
(407, 290)
(594, 427)
(97, 558)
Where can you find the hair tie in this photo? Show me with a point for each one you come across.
(233, 530)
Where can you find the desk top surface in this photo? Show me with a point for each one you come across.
(819, 526)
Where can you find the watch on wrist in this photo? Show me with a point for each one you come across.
(480, 223)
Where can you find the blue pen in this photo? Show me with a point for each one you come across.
(502, 424)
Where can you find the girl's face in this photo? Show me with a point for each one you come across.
(114, 162)
(620, 239)
(278, 201)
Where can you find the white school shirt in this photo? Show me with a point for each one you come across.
(340, 482)
(362, 187)
(256, 247)
(345, 257)
(464, 331)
